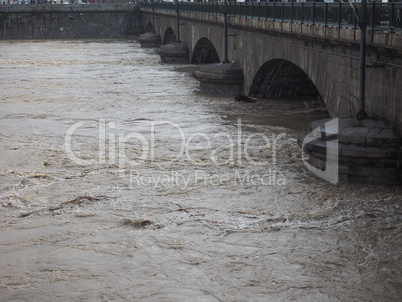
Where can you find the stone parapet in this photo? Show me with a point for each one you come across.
(333, 35)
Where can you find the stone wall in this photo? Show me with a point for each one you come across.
(67, 21)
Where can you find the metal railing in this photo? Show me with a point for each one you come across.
(381, 16)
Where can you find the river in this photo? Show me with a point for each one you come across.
(120, 181)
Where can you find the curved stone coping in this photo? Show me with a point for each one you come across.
(220, 73)
(173, 50)
(349, 150)
(365, 152)
(361, 174)
(350, 131)
(149, 36)
(223, 68)
(150, 40)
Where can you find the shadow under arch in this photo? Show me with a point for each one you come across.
(149, 28)
(280, 78)
(204, 53)
(169, 36)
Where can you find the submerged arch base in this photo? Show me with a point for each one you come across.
(169, 36)
(280, 78)
(204, 53)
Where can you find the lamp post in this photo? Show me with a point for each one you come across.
(153, 15)
(363, 27)
(178, 21)
(225, 27)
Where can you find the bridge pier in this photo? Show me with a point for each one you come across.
(150, 40)
(222, 78)
(176, 53)
(347, 150)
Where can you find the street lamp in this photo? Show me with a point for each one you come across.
(363, 27)
(153, 15)
(178, 21)
(225, 26)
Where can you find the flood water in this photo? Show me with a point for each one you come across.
(120, 181)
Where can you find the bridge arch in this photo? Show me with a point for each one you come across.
(169, 36)
(204, 52)
(279, 78)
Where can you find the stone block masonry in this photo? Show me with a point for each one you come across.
(67, 21)
(367, 152)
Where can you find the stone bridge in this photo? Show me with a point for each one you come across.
(279, 58)
(284, 59)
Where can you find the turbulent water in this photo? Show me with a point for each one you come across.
(120, 181)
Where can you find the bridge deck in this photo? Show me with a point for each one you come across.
(339, 33)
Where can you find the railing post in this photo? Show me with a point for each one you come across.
(339, 15)
(266, 11)
(313, 13)
(283, 11)
(153, 16)
(302, 13)
(326, 14)
(225, 45)
(391, 16)
(291, 12)
(373, 16)
(178, 21)
(274, 11)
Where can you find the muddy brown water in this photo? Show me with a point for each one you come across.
(120, 181)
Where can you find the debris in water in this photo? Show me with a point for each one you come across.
(244, 98)
(137, 223)
(81, 199)
(27, 214)
(78, 200)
